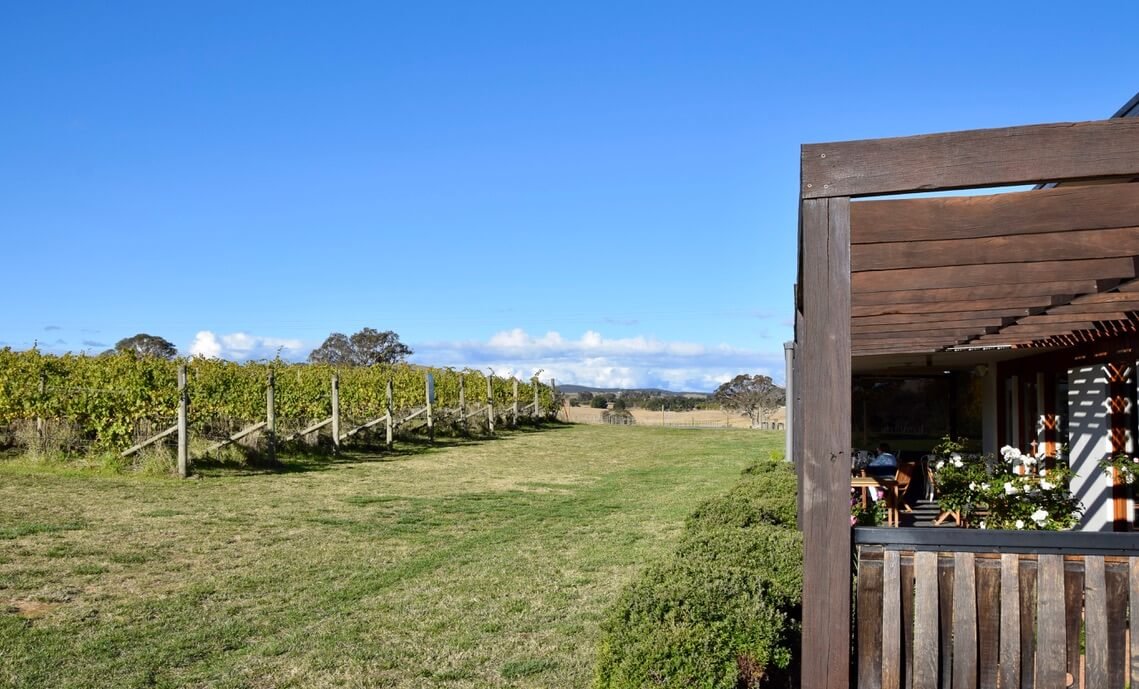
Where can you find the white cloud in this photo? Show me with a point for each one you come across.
(595, 360)
(242, 346)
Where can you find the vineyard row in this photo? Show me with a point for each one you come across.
(114, 401)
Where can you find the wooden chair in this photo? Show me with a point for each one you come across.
(904, 477)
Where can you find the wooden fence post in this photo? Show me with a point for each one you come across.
(490, 403)
(39, 410)
(462, 402)
(183, 440)
(335, 413)
(537, 399)
(428, 391)
(271, 416)
(515, 408)
(388, 436)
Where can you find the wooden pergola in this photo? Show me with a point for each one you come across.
(1051, 267)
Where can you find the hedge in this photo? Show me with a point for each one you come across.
(723, 611)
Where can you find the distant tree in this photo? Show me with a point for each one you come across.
(147, 345)
(365, 348)
(619, 404)
(599, 402)
(585, 396)
(754, 396)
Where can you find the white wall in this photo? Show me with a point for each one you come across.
(1089, 440)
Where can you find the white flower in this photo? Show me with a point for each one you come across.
(972, 486)
(1019, 523)
(1028, 460)
(984, 486)
(983, 525)
(1010, 489)
(1046, 486)
(1039, 516)
(1043, 472)
(956, 459)
(940, 463)
(1011, 454)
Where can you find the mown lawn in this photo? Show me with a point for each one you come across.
(469, 564)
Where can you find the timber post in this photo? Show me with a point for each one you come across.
(183, 440)
(336, 413)
(823, 436)
(537, 389)
(429, 393)
(490, 403)
(462, 402)
(388, 423)
(514, 409)
(271, 416)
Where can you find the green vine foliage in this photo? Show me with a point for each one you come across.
(110, 398)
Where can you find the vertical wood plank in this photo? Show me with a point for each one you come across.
(907, 573)
(988, 620)
(1133, 608)
(1115, 575)
(1074, 617)
(945, 576)
(1028, 578)
(1095, 621)
(183, 421)
(869, 615)
(925, 659)
(964, 622)
(1009, 675)
(1051, 665)
(335, 413)
(1133, 580)
(824, 385)
(891, 620)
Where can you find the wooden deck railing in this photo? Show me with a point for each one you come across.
(966, 609)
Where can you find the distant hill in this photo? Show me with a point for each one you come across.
(569, 389)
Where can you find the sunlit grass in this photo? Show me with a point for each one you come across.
(468, 564)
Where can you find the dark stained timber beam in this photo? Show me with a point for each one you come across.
(823, 342)
(940, 317)
(860, 331)
(1005, 274)
(995, 215)
(1061, 318)
(1012, 306)
(974, 292)
(1091, 308)
(1115, 242)
(972, 159)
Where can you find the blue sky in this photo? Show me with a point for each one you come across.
(606, 191)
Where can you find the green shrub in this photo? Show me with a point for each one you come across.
(723, 611)
(765, 495)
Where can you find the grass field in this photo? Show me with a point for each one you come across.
(468, 564)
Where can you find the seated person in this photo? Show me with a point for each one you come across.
(884, 464)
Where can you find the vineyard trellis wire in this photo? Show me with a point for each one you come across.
(115, 402)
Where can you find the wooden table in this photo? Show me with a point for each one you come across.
(889, 487)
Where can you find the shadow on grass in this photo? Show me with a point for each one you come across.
(293, 459)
